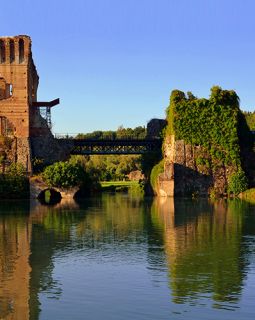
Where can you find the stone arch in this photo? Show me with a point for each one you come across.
(2, 52)
(21, 51)
(12, 51)
(49, 196)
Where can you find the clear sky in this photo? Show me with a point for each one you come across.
(115, 62)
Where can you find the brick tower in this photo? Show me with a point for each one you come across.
(20, 116)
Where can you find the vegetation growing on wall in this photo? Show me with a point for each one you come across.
(238, 183)
(155, 172)
(211, 123)
(215, 128)
(14, 182)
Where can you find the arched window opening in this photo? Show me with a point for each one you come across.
(21, 50)
(10, 90)
(6, 128)
(12, 51)
(2, 51)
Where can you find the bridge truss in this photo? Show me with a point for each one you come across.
(117, 146)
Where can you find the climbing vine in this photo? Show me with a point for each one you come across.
(211, 123)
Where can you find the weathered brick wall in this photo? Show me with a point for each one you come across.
(18, 90)
(14, 71)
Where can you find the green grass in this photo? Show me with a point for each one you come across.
(105, 184)
(131, 187)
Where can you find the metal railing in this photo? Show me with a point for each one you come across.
(78, 136)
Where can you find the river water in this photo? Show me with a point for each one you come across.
(122, 257)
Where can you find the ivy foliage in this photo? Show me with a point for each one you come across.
(211, 123)
(238, 182)
(155, 172)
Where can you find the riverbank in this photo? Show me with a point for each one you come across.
(248, 195)
(133, 187)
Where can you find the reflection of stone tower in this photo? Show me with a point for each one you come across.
(19, 110)
(15, 270)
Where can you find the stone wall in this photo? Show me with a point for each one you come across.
(155, 127)
(185, 175)
(23, 153)
(49, 149)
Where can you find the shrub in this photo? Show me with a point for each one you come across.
(14, 183)
(65, 175)
(155, 172)
(238, 182)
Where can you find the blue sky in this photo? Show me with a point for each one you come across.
(115, 62)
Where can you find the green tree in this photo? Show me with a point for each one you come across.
(65, 175)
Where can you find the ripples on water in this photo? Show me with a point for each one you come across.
(119, 257)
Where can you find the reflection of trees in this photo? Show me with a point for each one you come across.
(51, 233)
(67, 227)
(204, 248)
(113, 218)
(15, 234)
(201, 245)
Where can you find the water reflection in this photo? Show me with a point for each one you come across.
(203, 248)
(15, 237)
(204, 245)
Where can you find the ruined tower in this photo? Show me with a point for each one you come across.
(20, 116)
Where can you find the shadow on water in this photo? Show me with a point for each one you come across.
(200, 245)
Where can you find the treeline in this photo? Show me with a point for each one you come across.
(112, 167)
(250, 119)
(86, 172)
(121, 132)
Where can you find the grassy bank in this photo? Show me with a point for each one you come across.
(105, 184)
(122, 186)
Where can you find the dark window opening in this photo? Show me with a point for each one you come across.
(12, 51)
(21, 50)
(2, 51)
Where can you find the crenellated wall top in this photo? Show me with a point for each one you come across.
(15, 49)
